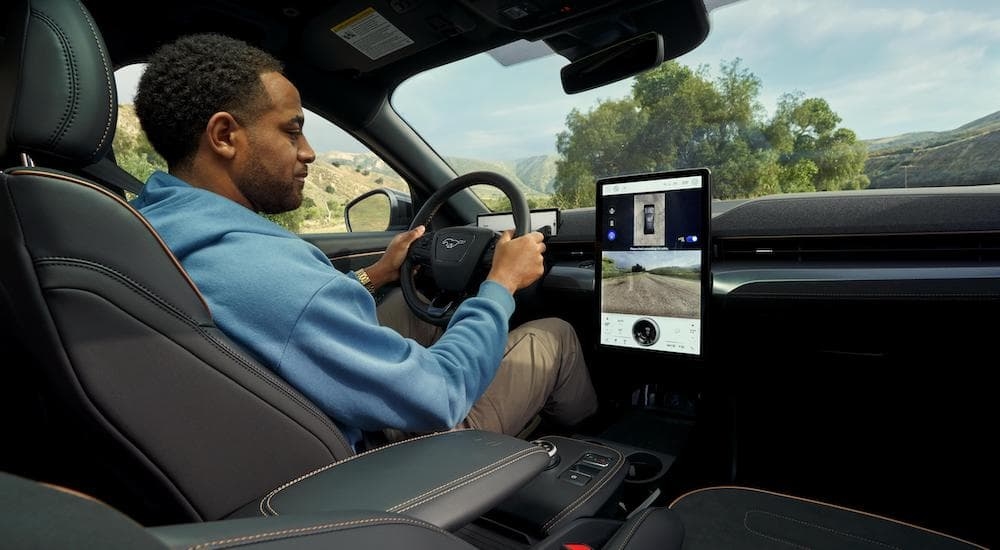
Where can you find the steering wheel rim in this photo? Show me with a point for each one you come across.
(455, 255)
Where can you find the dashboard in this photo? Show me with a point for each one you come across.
(850, 332)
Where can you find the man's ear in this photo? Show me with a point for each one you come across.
(221, 134)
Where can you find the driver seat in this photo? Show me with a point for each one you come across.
(119, 371)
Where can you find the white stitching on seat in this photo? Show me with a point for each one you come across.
(315, 528)
(70, 107)
(107, 77)
(458, 483)
(265, 503)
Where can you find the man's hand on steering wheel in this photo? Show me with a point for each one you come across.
(517, 263)
(386, 269)
(453, 261)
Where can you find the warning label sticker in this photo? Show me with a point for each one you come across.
(372, 34)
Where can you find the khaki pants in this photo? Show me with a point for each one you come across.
(542, 372)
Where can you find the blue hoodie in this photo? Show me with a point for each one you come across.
(279, 297)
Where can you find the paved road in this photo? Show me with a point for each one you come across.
(649, 294)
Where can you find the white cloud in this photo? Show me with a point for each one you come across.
(886, 69)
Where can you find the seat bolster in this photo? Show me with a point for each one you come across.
(745, 517)
(326, 530)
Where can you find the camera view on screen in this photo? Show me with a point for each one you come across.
(652, 280)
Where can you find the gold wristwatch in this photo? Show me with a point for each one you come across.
(364, 279)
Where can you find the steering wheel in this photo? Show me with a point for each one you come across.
(457, 259)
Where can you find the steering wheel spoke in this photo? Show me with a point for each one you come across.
(442, 305)
(420, 250)
(458, 258)
(487, 259)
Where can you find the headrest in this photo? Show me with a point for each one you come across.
(58, 101)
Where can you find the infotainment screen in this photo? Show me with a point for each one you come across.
(653, 279)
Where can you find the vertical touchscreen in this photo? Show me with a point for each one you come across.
(653, 275)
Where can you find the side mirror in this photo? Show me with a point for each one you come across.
(618, 61)
(382, 209)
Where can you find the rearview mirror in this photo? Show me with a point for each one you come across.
(611, 64)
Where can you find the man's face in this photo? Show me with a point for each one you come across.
(272, 173)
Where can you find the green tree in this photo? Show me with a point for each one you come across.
(599, 143)
(815, 154)
(139, 165)
(135, 155)
(291, 220)
(679, 117)
(609, 269)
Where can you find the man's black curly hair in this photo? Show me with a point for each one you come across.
(192, 78)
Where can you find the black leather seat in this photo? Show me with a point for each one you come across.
(44, 517)
(143, 389)
(150, 406)
(124, 388)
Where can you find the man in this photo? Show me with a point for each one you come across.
(229, 125)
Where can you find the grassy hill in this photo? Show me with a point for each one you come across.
(963, 156)
(336, 177)
(333, 179)
(533, 175)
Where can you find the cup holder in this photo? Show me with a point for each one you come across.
(643, 468)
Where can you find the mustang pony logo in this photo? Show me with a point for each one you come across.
(450, 242)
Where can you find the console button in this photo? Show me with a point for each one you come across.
(600, 461)
(588, 469)
(574, 477)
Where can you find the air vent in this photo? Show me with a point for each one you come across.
(954, 247)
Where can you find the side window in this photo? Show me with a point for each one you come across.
(344, 168)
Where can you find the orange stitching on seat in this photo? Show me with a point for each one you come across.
(821, 503)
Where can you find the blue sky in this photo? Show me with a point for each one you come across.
(887, 67)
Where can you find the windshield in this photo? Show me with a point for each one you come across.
(784, 96)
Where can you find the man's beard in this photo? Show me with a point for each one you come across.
(265, 193)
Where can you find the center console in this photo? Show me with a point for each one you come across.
(446, 479)
(652, 283)
(581, 479)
